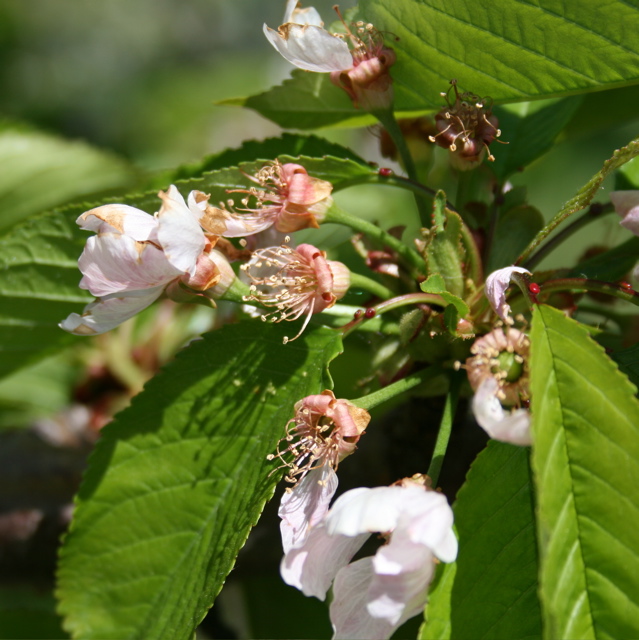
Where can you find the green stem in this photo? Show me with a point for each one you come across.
(387, 119)
(571, 207)
(593, 213)
(336, 215)
(237, 292)
(394, 303)
(359, 281)
(396, 388)
(393, 181)
(445, 428)
(584, 284)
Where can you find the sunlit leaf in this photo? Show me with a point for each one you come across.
(508, 50)
(492, 590)
(586, 464)
(269, 149)
(178, 480)
(305, 101)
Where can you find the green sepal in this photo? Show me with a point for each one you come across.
(443, 250)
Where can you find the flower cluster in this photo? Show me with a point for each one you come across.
(182, 251)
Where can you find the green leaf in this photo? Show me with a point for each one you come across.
(495, 51)
(305, 101)
(586, 468)
(628, 361)
(514, 231)
(39, 287)
(38, 259)
(287, 144)
(178, 480)
(436, 284)
(40, 171)
(610, 266)
(530, 130)
(494, 584)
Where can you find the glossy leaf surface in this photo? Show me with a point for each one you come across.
(586, 464)
(178, 480)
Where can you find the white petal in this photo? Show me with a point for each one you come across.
(117, 263)
(119, 218)
(313, 566)
(496, 284)
(422, 517)
(179, 232)
(396, 597)
(513, 427)
(306, 505)
(311, 48)
(626, 204)
(307, 15)
(106, 313)
(349, 612)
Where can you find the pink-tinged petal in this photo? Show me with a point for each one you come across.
(297, 15)
(626, 204)
(306, 505)
(312, 567)
(179, 232)
(119, 218)
(495, 289)
(310, 47)
(396, 597)
(507, 426)
(108, 312)
(349, 612)
(117, 263)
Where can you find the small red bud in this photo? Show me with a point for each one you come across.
(625, 285)
(385, 172)
(534, 288)
(358, 314)
(369, 313)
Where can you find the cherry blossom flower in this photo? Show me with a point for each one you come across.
(496, 284)
(373, 596)
(498, 373)
(323, 432)
(287, 198)
(296, 282)
(361, 70)
(626, 204)
(135, 257)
